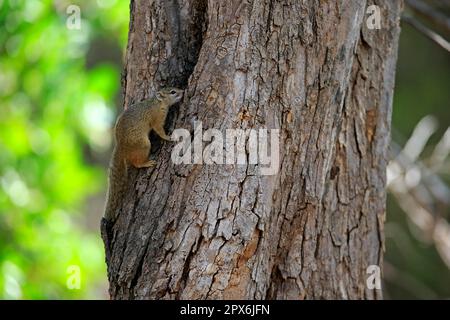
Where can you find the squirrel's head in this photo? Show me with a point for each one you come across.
(169, 95)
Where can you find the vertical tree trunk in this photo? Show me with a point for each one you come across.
(309, 68)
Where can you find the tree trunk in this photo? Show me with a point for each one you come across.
(313, 70)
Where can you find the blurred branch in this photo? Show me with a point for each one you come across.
(441, 151)
(419, 191)
(426, 11)
(419, 138)
(427, 32)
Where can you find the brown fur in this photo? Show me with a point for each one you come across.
(132, 143)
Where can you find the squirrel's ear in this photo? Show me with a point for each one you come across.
(159, 96)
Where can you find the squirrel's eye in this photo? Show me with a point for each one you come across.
(173, 92)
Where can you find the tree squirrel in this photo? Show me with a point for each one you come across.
(132, 142)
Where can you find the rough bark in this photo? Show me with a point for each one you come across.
(309, 68)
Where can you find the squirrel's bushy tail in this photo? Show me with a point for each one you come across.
(117, 181)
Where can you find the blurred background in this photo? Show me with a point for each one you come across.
(59, 94)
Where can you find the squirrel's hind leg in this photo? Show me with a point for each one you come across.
(138, 158)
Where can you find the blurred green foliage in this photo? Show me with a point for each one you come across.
(55, 106)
